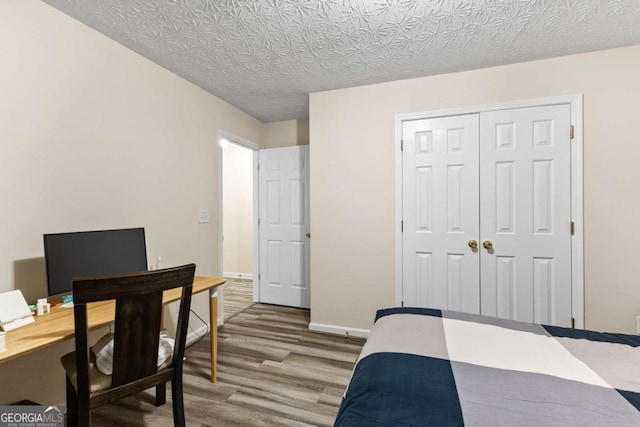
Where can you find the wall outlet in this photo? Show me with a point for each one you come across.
(203, 216)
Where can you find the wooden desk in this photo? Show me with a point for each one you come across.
(57, 326)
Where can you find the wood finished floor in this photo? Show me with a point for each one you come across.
(271, 372)
(238, 295)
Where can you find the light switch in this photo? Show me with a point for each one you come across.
(203, 216)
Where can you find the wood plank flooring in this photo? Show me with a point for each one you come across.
(238, 295)
(271, 372)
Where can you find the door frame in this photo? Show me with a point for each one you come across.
(577, 201)
(234, 139)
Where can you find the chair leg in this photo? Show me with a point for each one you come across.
(78, 414)
(161, 394)
(72, 404)
(178, 403)
(83, 411)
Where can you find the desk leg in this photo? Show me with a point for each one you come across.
(213, 314)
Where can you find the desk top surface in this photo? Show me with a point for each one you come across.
(58, 325)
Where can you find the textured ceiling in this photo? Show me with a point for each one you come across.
(266, 56)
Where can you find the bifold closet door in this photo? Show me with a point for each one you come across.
(440, 213)
(525, 214)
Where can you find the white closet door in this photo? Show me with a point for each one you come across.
(284, 224)
(525, 212)
(440, 213)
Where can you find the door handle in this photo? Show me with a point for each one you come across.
(473, 244)
(308, 235)
(487, 245)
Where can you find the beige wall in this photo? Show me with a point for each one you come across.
(286, 133)
(352, 179)
(94, 136)
(237, 190)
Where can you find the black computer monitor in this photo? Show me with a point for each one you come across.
(92, 253)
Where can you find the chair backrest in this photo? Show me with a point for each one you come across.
(138, 315)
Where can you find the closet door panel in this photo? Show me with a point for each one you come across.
(440, 213)
(525, 214)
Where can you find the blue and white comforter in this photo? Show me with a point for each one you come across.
(423, 367)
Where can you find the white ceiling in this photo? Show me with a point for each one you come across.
(266, 56)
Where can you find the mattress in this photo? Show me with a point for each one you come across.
(425, 367)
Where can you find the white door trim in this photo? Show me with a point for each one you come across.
(577, 202)
(222, 134)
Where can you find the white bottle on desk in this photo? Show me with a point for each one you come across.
(40, 306)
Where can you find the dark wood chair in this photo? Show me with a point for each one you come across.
(138, 299)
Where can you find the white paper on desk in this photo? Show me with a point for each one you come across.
(13, 307)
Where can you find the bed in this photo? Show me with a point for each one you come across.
(425, 367)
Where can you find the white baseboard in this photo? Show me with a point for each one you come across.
(339, 330)
(232, 275)
(198, 333)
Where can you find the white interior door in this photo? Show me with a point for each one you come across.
(503, 179)
(525, 212)
(440, 213)
(284, 226)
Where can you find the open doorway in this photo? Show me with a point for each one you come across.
(237, 215)
(237, 211)
(273, 232)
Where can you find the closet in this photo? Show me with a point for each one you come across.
(486, 213)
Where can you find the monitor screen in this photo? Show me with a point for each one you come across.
(92, 253)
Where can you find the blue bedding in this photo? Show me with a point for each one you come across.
(423, 367)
